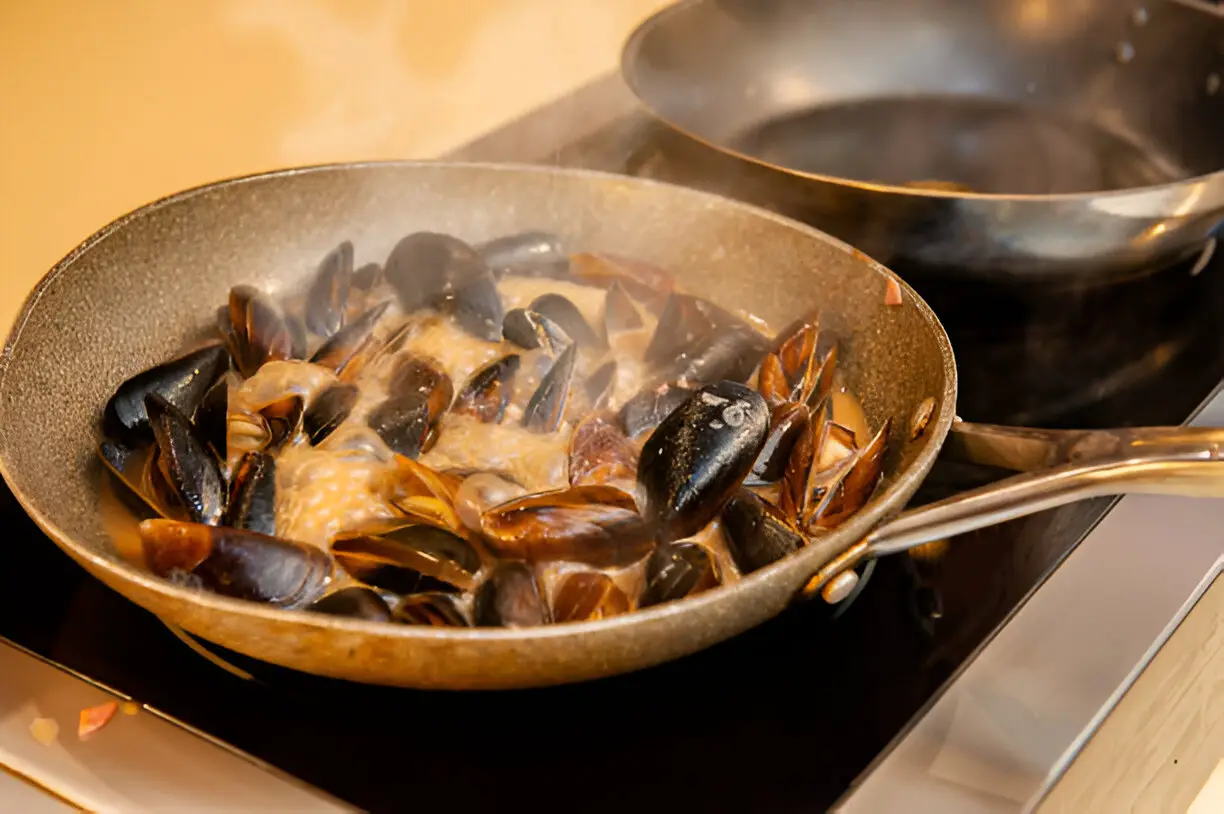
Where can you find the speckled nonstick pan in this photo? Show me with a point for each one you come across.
(146, 284)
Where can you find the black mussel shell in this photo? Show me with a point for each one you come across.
(728, 354)
(366, 277)
(698, 455)
(646, 283)
(620, 314)
(530, 330)
(355, 602)
(432, 609)
(284, 420)
(546, 408)
(189, 466)
(405, 558)
(487, 393)
(349, 342)
(182, 382)
(477, 306)
(511, 597)
(756, 533)
(424, 265)
(297, 337)
(211, 415)
(684, 321)
(415, 376)
(677, 570)
(647, 409)
(786, 423)
(257, 332)
(328, 411)
(563, 312)
(235, 562)
(252, 503)
(587, 596)
(526, 253)
(328, 294)
(600, 384)
(129, 465)
(403, 422)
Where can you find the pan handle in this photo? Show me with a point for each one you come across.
(1059, 467)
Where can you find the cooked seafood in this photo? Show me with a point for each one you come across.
(495, 435)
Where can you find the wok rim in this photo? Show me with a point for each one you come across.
(877, 513)
(628, 63)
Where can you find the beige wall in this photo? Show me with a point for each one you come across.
(107, 104)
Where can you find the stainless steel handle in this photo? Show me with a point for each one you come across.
(1059, 467)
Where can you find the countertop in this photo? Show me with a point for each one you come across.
(107, 106)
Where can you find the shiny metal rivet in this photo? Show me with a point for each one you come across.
(838, 588)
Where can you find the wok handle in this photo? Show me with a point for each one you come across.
(1062, 466)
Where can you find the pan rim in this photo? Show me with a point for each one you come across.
(875, 514)
(627, 62)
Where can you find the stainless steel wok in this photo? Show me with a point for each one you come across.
(148, 283)
(1089, 132)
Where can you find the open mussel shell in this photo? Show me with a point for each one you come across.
(481, 491)
(563, 312)
(418, 377)
(600, 385)
(419, 394)
(328, 295)
(405, 557)
(597, 525)
(511, 597)
(756, 533)
(860, 481)
(183, 382)
(787, 422)
(697, 457)
(530, 330)
(257, 331)
(730, 354)
(601, 453)
(131, 467)
(211, 415)
(646, 410)
(354, 602)
(646, 283)
(677, 570)
(587, 596)
(328, 411)
(476, 305)
(526, 253)
(431, 608)
(252, 502)
(189, 467)
(546, 408)
(235, 562)
(349, 345)
(487, 393)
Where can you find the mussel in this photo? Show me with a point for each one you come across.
(211, 414)
(235, 562)
(526, 253)
(424, 265)
(477, 306)
(564, 313)
(601, 384)
(511, 597)
(430, 608)
(348, 347)
(620, 314)
(183, 382)
(546, 408)
(586, 596)
(677, 570)
(648, 284)
(355, 602)
(480, 492)
(598, 525)
(328, 294)
(600, 453)
(645, 411)
(405, 557)
(787, 422)
(756, 533)
(530, 330)
(252, 502)
(696, 458)
(328, 411)
(256, 331)
(420, 394)
(188, 466)
(487, 393)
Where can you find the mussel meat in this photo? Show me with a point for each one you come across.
(587, 596)
(355, 602)
(511, 597)
(188, 466)
(677, 570)
(756, 533)
(328, 294)
(598, 525)
(183, 382)
(235, 562)
(697, 457)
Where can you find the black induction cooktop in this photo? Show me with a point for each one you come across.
(782, 718)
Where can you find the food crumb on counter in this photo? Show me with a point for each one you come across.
(130, 707)
(44, 730)
(892, 292)
(94, 718)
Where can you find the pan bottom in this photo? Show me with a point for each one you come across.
(984, 145)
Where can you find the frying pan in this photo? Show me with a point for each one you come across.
(149, 282)
(1088, 132)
